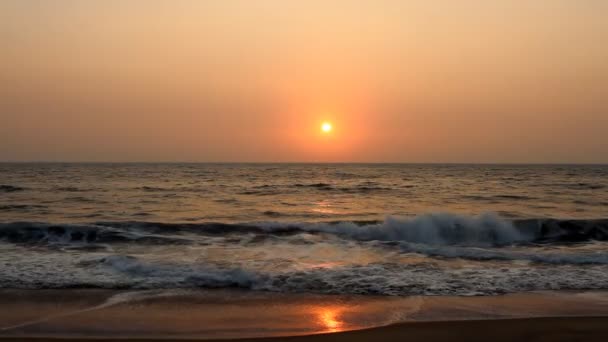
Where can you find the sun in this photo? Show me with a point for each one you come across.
(326, 127)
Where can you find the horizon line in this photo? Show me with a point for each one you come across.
(300, 162)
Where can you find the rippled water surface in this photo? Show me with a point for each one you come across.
(299, 192)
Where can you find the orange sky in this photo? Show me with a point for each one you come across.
(241, 80)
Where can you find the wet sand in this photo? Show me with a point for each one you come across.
(527, 329)
(36, 315)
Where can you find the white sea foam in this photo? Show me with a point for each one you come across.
(190, 275)
(388, 277)
(435, 229)
(377, 278)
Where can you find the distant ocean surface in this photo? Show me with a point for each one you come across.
(321, 228)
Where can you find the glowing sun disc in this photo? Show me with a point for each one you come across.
(326, 127)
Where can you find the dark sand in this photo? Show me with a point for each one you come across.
(109, 315)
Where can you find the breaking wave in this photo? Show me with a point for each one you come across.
(438, 229)
(43, 233)
(431, 254)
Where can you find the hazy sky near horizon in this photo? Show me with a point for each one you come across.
(242, 80)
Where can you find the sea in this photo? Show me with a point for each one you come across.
(353, 229)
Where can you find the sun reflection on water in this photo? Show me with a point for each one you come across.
(323, 207)
(329, 318)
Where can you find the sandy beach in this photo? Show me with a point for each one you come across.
(530, 329)
(87, 314)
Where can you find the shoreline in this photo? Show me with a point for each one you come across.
(216, 315)
(516, 329)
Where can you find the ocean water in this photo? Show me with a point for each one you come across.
(327, 228)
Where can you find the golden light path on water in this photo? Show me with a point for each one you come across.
(329, 318)
(323, 207)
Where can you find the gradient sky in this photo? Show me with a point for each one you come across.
(244, 80)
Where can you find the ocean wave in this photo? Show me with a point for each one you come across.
(272, 189)
(324, 186)
(434, 229)
(43, 233)
(481, 254)
(10, 188)
(70, 189)
(445, 229)
(155, 189)
(189, 275)
(585, 186)
(21, 207)
(437, 229)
